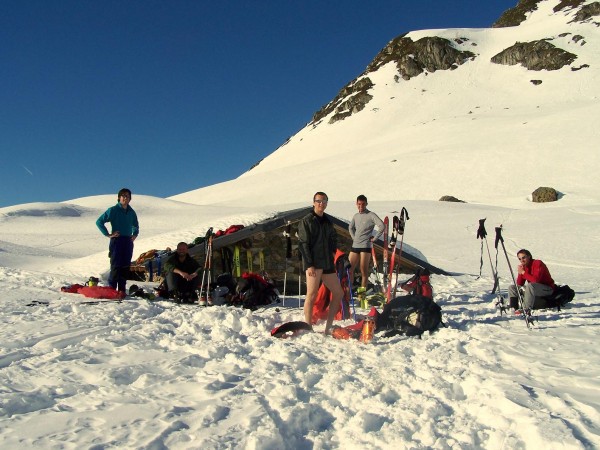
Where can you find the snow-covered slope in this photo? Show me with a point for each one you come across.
(502, 135)
(155, 375)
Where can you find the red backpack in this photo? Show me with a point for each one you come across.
(419, 284)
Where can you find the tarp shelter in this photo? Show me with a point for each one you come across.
(267, 238)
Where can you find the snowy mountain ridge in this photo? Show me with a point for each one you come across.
(489, 118)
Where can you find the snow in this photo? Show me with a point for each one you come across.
(142, 374)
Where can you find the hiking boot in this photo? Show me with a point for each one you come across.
(202, 301)
(518, 312)
(209, 301)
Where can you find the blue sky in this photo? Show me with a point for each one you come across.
(165, 97)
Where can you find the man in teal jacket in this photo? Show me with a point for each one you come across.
(124, 229)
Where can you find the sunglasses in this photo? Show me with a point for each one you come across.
(321, 202)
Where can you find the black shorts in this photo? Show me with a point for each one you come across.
(360, 250)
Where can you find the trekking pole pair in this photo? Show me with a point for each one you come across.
(207, 268)
(482, 234)
(401, 224)
(526, 313)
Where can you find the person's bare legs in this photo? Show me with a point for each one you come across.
(331, 281)
(313, 279)
(353, 258)
(365, 258)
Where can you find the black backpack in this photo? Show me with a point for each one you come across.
(410, 315)
(560, 297)
(253, 291)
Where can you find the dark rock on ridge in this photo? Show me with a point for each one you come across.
(535, 55)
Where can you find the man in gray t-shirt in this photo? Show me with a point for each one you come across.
(361, 230)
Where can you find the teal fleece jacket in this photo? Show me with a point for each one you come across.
(124, 221)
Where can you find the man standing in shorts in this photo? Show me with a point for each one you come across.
(361, 230)
(317, 242)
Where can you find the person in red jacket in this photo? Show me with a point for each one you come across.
(536, 280)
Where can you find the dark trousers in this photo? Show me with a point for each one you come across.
(533, 295)
(180, 284)
(120, 251)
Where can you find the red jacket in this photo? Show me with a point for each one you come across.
(536, 272)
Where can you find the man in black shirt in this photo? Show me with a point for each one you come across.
(182, 274)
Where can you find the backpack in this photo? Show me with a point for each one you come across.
(410, 315)
(150, 254)
(419, 283)
(227, 280)
(230, 229)
(253, 291)
(321, 305)
(562, 295)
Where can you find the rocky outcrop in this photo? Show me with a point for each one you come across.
(351, 99)
(450, 198)
(544, 194)
(587, 11)
(413, 58)
(567, 4)
(514, 16)
(536, 55)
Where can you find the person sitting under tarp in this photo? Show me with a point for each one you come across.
(182, 275)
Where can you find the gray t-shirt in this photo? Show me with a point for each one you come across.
(362, 226)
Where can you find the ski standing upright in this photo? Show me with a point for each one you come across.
(385, 266)
(392, 244)
(401, 225)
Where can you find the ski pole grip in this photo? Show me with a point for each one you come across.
(499, 237)
(481, 233)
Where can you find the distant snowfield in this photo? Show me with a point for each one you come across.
(141, 374)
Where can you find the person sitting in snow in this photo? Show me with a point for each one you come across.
(124, 230)
(537, 282)
(317, 242)
(182, 274)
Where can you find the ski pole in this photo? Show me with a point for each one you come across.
(288, 255)
(500, 239)
(299, 287)
(208, 292)
(208, 233)
(299, 276)
(351, 294)
(202, 294)
(403, 218)
(482, 234)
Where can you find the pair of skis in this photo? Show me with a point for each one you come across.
(398, 225)
(237, 265)
(389, 266)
